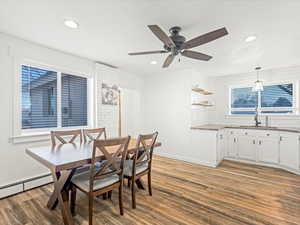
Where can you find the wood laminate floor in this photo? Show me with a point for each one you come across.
(184, 194)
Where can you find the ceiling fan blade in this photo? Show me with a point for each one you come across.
(161, 35)
(149, 52)
(168, 60)
(196, 55)
(205, 38)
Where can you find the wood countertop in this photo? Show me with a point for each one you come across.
(217, 127)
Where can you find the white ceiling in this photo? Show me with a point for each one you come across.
(112, 28)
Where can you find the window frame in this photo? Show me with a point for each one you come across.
(17, 120)
(295, 107)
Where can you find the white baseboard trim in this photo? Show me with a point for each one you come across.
(186, 159)
(24, 185)
(263, 164)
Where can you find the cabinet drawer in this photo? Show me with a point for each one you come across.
(289, 134)
(232, 131)
(267, 134)
(247, 132)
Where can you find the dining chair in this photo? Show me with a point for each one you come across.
(61, 136)
(105, 178)
(72, 136)
(140, 163)
(90, 135)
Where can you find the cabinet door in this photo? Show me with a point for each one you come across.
(232, 146)
(221, 146)
(268, 150)
(247, 148)
(289, 152)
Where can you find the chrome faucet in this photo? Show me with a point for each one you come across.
(257, 123)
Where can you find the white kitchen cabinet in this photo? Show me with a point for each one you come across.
(268, 150)
(289, 151)
(263, 147)
(247, 147)
(232, 146)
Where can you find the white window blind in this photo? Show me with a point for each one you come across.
(274, 99)
(74, 100)
(40, 99)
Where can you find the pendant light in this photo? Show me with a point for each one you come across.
(258, 85)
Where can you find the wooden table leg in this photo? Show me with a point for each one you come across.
(61, 180)
(140, 184)
(52, 206)
(61, 194)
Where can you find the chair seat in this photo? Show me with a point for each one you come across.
(128, 164)
(83, 181)
(86, 168)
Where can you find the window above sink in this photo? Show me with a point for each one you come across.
(276, 99)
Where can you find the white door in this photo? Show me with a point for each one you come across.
(268, 150)
(289, 151)
(232, 146)
(247, 148)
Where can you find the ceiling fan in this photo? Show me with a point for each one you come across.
(176, 44)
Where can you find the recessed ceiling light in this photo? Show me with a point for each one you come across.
(250, 38)
(71, 24)
(153, 62)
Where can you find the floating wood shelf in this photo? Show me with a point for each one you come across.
(202, 91)
(203, 104)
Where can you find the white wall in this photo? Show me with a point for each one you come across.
(167, 109)
(15, 164)
(221, 88)
(131, 88)
(13, 52)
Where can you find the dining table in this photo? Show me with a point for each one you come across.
(63, 160)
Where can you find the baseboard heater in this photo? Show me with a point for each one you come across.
(25, 185)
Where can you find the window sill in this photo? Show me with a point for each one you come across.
(31, 137)
(39, 135)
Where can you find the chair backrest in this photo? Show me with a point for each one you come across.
(112, 154)
(144, 150)
(93, 134)
(71, 134)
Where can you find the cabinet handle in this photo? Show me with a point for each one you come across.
(268, 134)
(254, 142)
(246, 133)
(259, 142)
(280, 139)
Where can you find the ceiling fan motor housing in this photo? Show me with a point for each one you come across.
(177, 39)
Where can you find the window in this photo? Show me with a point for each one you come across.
(74, 100)
(53, 99)
(274, 99)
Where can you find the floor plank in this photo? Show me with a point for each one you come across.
(183, 194)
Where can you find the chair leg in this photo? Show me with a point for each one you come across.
(149, 183)
(91, 203)
(104, 196)
(121, 198)
(73, 199)
(128, 184)
(133, 193)
(109, 195)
